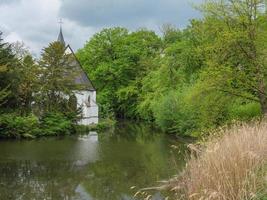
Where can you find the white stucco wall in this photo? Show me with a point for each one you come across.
(89, 109)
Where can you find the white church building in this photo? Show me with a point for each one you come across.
(85, 98)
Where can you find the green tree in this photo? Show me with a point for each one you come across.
(101, 59)
(8, 75)
(4, 92)
(28, 86)
(189, 80)
(237, 50)
(141, 51)
(177, 66)
(116, 61)
(57, 79)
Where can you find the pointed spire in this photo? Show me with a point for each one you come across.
(60, 36)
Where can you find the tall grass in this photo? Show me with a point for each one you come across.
(231, 167)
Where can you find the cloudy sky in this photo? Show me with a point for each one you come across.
(35, 22)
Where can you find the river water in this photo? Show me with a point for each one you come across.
(97, 166)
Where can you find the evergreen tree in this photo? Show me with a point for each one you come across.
(8, 75)
(29, 73)
(57, 79)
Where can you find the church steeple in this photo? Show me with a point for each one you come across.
(60, 36)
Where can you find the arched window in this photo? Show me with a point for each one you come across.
(88, 103)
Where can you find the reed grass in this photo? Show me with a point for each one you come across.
(230, 167)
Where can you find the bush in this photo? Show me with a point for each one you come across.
(106, 111)
(244, 112)
(192, 111)
(105, 124)
(13, 126)
(173, 114)
(210, 106)
(52, 124)
(56, 124)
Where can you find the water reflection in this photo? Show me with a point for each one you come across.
(86, 149)
(93, 167)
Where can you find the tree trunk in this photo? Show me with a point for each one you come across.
(263, 102)
(263, 98)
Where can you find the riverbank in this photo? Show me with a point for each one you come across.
(103, 125)
(231, 166)
(13, 126)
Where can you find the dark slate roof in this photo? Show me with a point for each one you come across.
(60, 37)
(82, 78)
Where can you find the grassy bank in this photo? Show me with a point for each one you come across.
(52, 124)
(230, 167)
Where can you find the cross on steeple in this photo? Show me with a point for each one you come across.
(60, 22)
(60, 36)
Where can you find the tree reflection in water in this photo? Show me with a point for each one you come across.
(88, 167)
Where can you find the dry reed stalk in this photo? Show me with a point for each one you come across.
(232, 167)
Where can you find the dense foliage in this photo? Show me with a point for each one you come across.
(187, 81)
(8, 75)
(116, 61)
(33, 94)
(53, 124)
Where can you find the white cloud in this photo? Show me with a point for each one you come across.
(130, 13)
(12, 37)
(36, 23)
